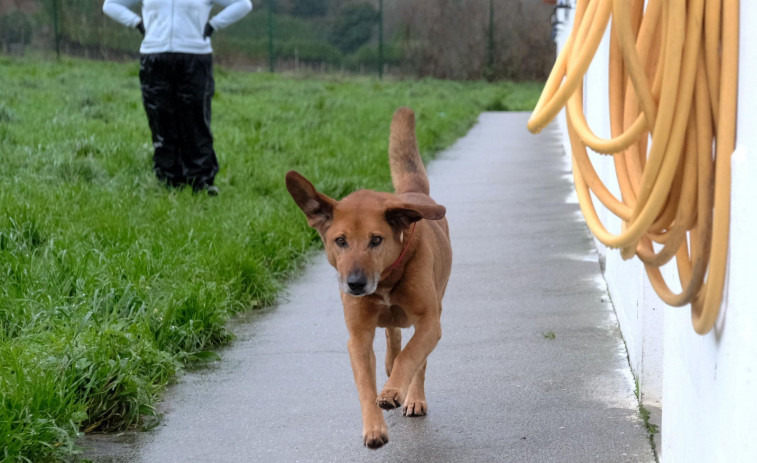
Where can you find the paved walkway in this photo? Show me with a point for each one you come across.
(531, 366)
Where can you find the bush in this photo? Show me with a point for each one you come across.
(15, 28)
(368, 56)
(353, 26)
(309, 8)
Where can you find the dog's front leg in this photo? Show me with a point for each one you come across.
(415, 403)
(428, 331)
(363, 360)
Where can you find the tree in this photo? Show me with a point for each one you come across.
(472, 39)
(353, 26)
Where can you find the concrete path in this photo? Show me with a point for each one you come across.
(531, 366)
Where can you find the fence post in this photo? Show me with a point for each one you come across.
(490, 44)
(271, 56)
(381, 40)
(56, 28)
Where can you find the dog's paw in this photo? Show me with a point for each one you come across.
(415, 408)
(375, 437)
(389, 399)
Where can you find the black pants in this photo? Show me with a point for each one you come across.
(176, 91)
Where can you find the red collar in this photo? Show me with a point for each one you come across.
(396, 263)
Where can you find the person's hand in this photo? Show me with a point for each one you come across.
(208, 31)
(141, 28)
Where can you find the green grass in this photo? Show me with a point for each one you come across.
(110, 282)
(645, 415)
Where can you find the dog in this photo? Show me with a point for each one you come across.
(393, 258)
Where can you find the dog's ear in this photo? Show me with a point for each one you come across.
(402, 216)
(318, 208)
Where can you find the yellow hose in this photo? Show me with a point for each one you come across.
(673, 80)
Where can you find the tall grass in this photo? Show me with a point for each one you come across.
(110, 283)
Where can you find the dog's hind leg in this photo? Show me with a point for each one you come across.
(409, 361)
(393, 347)
(415, 403)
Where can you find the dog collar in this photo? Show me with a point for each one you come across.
(396, 263)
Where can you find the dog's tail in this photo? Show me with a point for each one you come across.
(405, 163)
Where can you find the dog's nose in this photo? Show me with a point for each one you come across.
(357, 282)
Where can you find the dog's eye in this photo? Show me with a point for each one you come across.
(341, 242)
(376, 240)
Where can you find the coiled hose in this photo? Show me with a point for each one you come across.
(673, 82)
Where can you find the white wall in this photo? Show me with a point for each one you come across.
(707, 384)
(710, 384)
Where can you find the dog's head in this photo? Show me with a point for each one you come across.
(364, 233)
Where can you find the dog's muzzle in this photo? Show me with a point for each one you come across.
(358, 284)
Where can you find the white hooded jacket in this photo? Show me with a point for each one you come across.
(176, 25)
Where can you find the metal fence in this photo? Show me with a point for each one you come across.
(459, 39)
(270, 39)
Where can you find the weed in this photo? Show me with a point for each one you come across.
(652, 429)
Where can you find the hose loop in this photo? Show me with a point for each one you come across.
(673, 82)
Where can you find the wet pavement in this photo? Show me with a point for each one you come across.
(531, 366)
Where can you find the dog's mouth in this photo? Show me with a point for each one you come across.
(358, 284)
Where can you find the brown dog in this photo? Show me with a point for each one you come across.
(393, 268)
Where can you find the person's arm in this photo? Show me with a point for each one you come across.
(119, 11)
(233, 11)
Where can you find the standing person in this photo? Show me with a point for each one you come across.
(176, 77)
